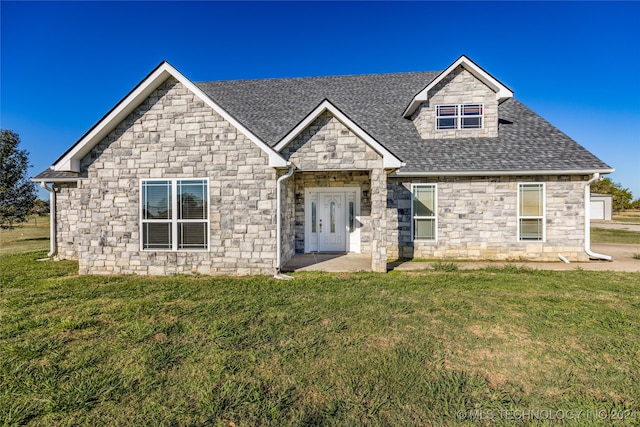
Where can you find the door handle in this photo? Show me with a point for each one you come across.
(321, 226)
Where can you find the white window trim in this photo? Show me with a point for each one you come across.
(543, 217)
(458, 117)
(174, 220)
(435, 217)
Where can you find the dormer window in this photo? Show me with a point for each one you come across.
(459, 116)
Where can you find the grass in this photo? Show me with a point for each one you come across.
(445, 266)
(602, 235)
(631, 216)
(629, 219)
(30, 236)
(323, 349)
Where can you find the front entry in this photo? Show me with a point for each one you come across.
(332, 233)
(332, 220)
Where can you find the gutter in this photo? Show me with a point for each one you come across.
(587, 221)
(278, 274)
(53, 246)
(503, 173)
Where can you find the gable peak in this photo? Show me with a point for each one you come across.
(502, 92)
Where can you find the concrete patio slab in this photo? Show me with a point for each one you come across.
(623, 260)
(331, 262)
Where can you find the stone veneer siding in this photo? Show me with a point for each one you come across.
(477, 219)
(459, 87)
(327, 144)
(68, 213)
(173, 134)
(338, 158)
(289, 215)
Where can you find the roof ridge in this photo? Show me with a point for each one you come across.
(333, 76)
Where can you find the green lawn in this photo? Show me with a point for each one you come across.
(30, 236)
(602, 235)
(629, 219)
(323, 349)
(632, 216)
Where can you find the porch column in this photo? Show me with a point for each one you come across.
(378, 221)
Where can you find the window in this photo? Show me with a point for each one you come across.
(352, 217)
(175, 214)
(463, 116)
(332, 217)
(531, 212)
(423, 211)
(313, 217)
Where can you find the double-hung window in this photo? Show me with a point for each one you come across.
(423, 211)
(459, 116)
(175, 214)
(531, 212)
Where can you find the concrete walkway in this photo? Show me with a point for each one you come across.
(622, 261)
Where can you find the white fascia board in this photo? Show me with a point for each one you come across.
(389, 160)
(71, 160)
(502, 92)
(504, 173)
(54, 180)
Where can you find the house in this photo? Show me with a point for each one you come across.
(236, 177)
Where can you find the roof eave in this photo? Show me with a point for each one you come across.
(54, 180)
(536, 172)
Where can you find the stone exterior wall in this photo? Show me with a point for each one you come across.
(327, 144)
(68, 212)
(173, 134)
(289, 219)
(459, 87)
(379, 223)
(477, 219)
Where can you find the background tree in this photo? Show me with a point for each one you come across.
(40, 208)
(621, 196)
(17, 193)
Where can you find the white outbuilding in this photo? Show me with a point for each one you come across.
(601, 206)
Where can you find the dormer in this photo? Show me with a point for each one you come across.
(462, 102)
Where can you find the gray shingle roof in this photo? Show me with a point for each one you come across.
(270, 108)
(50, 175)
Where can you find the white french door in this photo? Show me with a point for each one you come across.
(332, 220)
(332, 232)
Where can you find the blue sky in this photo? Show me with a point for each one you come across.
(65, 64)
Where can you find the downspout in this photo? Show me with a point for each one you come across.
(53, 246)
(278, 275)
(587, 221)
